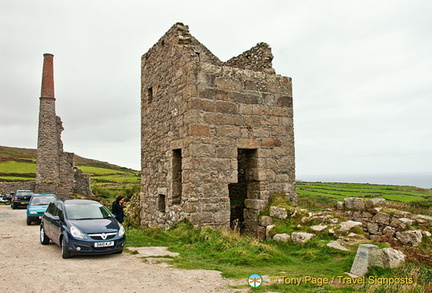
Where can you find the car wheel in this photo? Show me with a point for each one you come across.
(13, 206)
(65, 252)
(29, 221)
(43, 238)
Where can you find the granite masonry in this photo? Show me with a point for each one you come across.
(217, 137)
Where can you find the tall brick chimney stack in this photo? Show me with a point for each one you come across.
(48, 151)
(55, 172)
(48, 76)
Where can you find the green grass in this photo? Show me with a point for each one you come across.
(16, 178)
(238, 257)
(14, 167)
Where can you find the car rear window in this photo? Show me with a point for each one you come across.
(42, 200)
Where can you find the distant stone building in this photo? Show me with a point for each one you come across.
(55, 172)
(217, 137)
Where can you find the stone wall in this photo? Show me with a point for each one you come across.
(386, 225)
(7, 187)
(82, 183)
(258, 58)
(198, 116)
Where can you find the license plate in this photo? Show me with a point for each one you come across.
(104, 244)
(23, 203)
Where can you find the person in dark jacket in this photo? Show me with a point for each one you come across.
(117, 208)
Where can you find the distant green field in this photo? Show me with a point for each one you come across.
(103, 176)
(339, 191)
(99, 171)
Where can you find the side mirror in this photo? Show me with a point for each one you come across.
(55, 218)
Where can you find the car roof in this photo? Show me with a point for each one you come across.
(80, 201)
(44, 194)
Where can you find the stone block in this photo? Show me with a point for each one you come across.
(382, 218)
(318, 228)
(268, 231)
(348, 203)
(406, 221)
(358, 204)
(278, 212)
(366, 215)
(271, 142)
(251, 214)
(265, 221)
(301, 237)
(427, 219)
(256, 204)
(410, 238)
(248, 143)
(284, 237)
(336, 245)
(226, 107)
(392, 258)
(228, 130)
(388, 230)
(374, 202)
(348, 225)
(227, 83)
(372, 228)
(226, 152)
(190, 207)
(261, 232)
(367, 256)
(199, 130)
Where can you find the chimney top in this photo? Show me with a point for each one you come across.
(47, 90)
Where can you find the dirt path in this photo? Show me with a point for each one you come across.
(28, 266)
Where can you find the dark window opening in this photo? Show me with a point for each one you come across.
(150, 94)
(244, 188)
(161, 203)
(177, 176)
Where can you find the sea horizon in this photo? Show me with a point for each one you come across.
(420, 179)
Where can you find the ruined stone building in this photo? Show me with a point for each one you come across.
(217, 137)
(55, 172)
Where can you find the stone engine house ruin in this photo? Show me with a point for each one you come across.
(217, 137)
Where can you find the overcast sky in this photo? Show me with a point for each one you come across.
(361, 73)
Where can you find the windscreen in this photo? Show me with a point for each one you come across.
(41, 200)
(86, 211)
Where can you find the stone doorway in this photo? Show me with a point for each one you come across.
(244, 189)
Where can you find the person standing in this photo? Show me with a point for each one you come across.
(117, 208)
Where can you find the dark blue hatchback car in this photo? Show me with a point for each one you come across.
(82, 227)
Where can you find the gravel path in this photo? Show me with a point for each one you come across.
(28, 266)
